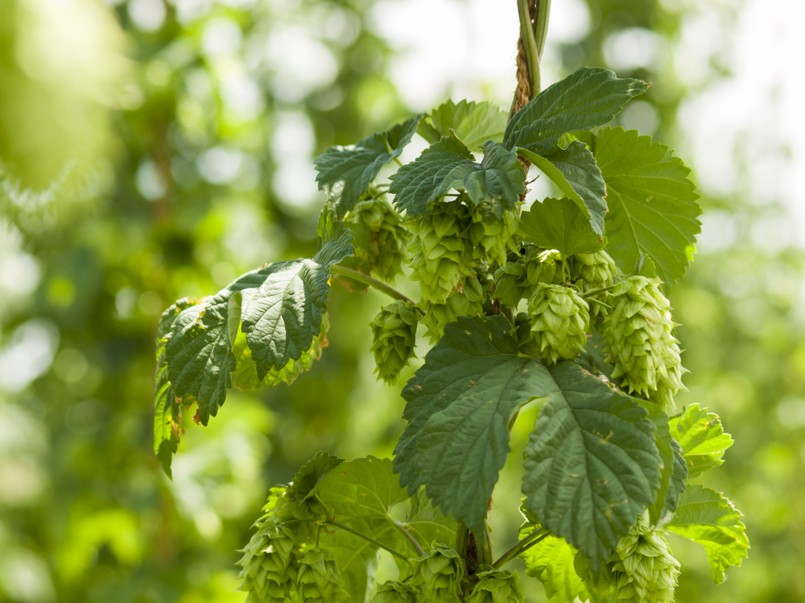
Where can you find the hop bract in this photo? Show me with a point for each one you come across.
(468, 300)
(559, 322)
(496, 586)
(490, 234)
(318, 578)
(394, 336)
(437, 575)
(640, 342)
(396, 592)
(268, 566)
(378, 236)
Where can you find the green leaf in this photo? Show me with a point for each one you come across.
(591, 465)
(653, 212)
(561, 225)
(448, 165)
(309, 475)
(551, 561)
(473, 123)
(345, 173)
(702, 438)
(585, 99)
(708, 518)
(577, 176)
(459, 405)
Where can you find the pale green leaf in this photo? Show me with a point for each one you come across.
(587, 98)
(551, 561)
(345, 173)
(591, 465)
(459, 405)
(653, 213)
(472, 122)
(708, 518)
(559, 224)
(702, 438)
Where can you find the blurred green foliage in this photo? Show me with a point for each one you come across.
(128, 183)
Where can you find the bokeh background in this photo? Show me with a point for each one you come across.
(154, 149)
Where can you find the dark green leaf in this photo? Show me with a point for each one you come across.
(701, 437)
(473, 123)
(708, 518)
(310, 474)
(460, 403)
(653, 212)
(577, 164)
(559, 224)
(592, 465)
(345, 173)
(551, 561)
(585, 99)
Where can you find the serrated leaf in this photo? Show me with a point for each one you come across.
(708, 518)
(587, 98)
(307, 478)
(473, 123)
(551, 561)
(559, 224)
(701, 437)
(592, 465)
(345, 173)
(459, 405)
(448, 165)
(653, 212)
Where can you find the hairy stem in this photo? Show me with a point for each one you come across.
(369, 539)
(521, 546)
(410, 537)
(370, 281)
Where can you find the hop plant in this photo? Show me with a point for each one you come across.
(440, 250)
(490, 234)
(438, 575)
(541, 267)
(640, 341)
(559, 322)
(509, 279)
(468, 300)
(394, 336)
(496, 586)
(378, 236)
(318, 578)
(268, 565)
(592, 270)
(396, 592)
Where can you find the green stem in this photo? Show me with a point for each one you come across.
(410, 537)
(530, 44)
(355, 275)
(541, 26)
(369, 539)
(520, 546)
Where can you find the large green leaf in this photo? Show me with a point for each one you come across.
(551, 561)
(345, 173)
(652, 203)
(702, 438)
(460, 404)
(708, 518)
(473, 123)
(585, 99)
(559, 224)
(448, 165)
(592, 464)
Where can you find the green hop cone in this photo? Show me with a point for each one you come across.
(318, 578)
(642, 567)
(592, 270)
(640, 341)
(542, 266)
(393, 338)
(438, 575)
(509, 279)
(491, 235)
(268, 565)
(559, 322)
(496, 586)
(440, 250)
(468, 300)
(378, 236)
(396, 592)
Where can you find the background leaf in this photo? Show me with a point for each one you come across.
(459, 405)
(591, 465)
(559, 224)
(587, 98)
(473, 123)
(652, 203)
(708, 518)
(551, 561)
(346, 172)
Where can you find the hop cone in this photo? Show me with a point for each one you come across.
(467, 301)
(440, 251)
(592, 271)
(318, 578)
(268, 566)
(642, 567)
(378, 236)
(559, 322)
(394, 336)
(509, 279)
(438, 576)
(497, 586)
(640, 343)
(490, 235)
(396, 592)
(541, 267)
